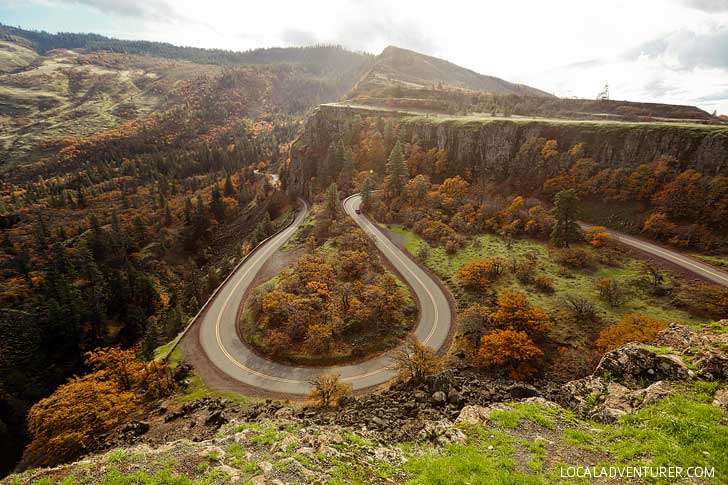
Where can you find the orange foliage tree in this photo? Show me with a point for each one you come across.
(633, 327)
(516, 313)
(71, 421)
(509, 348)
(477, 275)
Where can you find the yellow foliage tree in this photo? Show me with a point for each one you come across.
(633, 327)
(516, 313)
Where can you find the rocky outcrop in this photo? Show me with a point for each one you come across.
(634, 376)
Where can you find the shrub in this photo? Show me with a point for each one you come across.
(544, 283)
(477, 274)
(597, 236)
(574, 257)
(633, 327)
(328, 390)
(580, 308)
(611, 291)
(509, 348)
(415, 360)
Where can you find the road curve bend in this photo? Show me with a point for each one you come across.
(688, 264)
(223, 348)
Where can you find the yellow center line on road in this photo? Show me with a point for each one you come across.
(265, 254)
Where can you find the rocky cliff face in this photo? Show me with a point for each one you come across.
(490, 145)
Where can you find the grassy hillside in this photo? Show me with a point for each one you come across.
(396, 67)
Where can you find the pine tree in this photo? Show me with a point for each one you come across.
(366, 191)
(229, 188)
(217, 205)
(396, 172)
(188, 211)
(332, 201)
(565, 211)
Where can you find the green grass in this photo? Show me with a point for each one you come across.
(198, 389)
(675, 431)
(487, 458)
(529, 412)
(265, 433)
(574, 282)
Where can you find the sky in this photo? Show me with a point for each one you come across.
(672, 51)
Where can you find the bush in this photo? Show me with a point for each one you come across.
(516, 313)
(574, 257)
(611, 292)
(544, 284)
(597, 236)
(509, 348)
(580, 308)
(414, 360)
(477, 274)
(328, 390)
(633, 327)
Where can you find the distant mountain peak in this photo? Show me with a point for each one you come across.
(396, 66)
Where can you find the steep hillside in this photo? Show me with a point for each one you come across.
(57, 86)
(643, 408)
(489, 145)
(402, 68)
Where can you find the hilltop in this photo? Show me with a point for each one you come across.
(57, 86)
(401, 68)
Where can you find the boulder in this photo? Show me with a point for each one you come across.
(712, 365)
(216, 419)
(520, 391)
(680, 337)
(630, 362)
(439, 398)
(479, 414)
(442, 433)
(720, 399)
(582, 395)
(672, 367)
(607, 415)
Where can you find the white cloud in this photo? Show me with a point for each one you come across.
(651, 50)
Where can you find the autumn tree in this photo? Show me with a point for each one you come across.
(510, 348)
(633, 327)
(597, 236)
(328, 389)
(514, 312)
(414, 360)
(658, 226)
(477, 274)
(332, 201)
(565, 213)
(73, 419)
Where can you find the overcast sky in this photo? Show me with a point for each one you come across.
(673, 51)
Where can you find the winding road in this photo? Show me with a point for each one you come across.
(687, 263)
(223, 348)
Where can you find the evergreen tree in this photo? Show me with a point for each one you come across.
(565, 211)
(229, 188)
(150, 340)
(396, 172)
(366, 191)
(332, 201)
(217, 205)
(188, 211)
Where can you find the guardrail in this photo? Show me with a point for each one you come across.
(214, 293)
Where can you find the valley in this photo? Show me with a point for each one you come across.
(313, 264)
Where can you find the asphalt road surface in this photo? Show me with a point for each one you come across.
(224, 349)
(689, 264)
